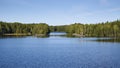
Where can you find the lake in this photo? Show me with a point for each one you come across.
(58, 51)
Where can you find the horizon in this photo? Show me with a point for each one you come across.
(59, 12)
(61, 24)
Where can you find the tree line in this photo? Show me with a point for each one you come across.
(27, 29)
(105, 29)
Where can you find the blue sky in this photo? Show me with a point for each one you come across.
(59, 12)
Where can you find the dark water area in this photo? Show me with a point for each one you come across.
(112, 40)
(58, 51)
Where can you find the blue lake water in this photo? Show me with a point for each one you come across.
(58, 52)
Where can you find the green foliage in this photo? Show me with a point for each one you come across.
(107, 29)
(58, 28)
(18, 28)
(75, 28)
(40, 29)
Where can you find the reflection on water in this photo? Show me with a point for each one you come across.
(108, 40)
(63, 34)
(12, 36)
(58, 52)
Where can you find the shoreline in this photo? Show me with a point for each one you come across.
(16, 34)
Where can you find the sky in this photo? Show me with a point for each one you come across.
(59, 12)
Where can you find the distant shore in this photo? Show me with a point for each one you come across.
(24, 34)
(16, 34)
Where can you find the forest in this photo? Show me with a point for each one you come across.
(23, 29)
(107, 29)
(104, 29)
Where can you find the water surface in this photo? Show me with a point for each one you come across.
(58, 52)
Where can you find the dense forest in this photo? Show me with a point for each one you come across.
(23, 29)
(105, 29)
